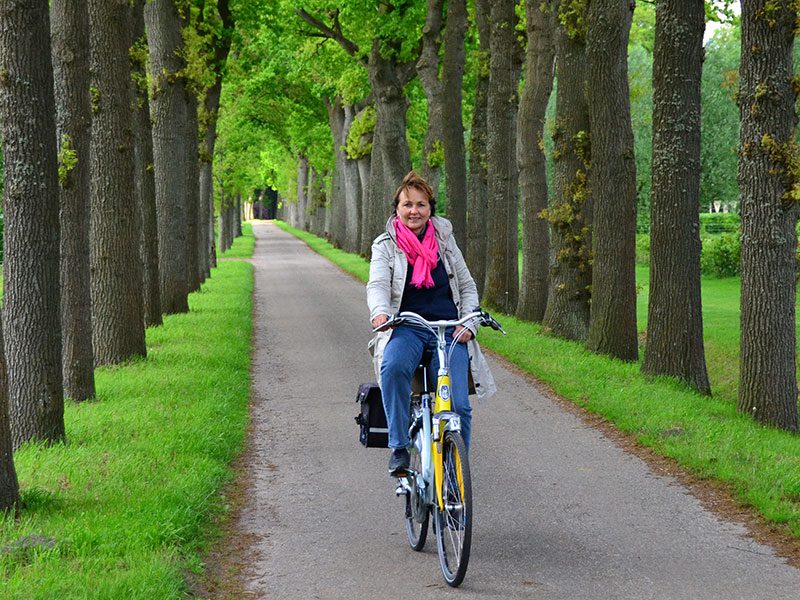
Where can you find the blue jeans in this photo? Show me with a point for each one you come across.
(400, 359)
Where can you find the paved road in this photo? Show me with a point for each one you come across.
(561, 511)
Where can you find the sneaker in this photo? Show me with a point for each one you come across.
(399, 461)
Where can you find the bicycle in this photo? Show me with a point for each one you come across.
(438, 480)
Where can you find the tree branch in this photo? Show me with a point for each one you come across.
(334, 33)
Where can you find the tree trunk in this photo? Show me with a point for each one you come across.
(612, 319)
(502, 275)
(117, 314)
(168, 109)
(352, 187)
(570, 215)
(145, 183)
(9, 485)
(238, 219)
(31, 294)
(769, 192)
(532, 166)
(192, 144)
(453, 125)
(428, 71)
(302, 191)
(674, 315)
(70, 51)
(477, 193)
(336, 121)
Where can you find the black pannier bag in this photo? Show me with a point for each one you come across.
(373, 431)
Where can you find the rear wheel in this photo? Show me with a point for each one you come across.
(417, 513)
(454, 523)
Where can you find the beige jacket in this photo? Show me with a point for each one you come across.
(387, 279)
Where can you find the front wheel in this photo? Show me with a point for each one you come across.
(454, 523)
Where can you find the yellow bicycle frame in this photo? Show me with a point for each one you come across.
(441, 404)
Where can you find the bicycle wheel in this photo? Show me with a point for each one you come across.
(417, 513)
(454, 523)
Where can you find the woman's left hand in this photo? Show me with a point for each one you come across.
(467, 336)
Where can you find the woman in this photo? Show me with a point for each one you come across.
(417, 266)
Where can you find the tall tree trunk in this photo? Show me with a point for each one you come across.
(9, 485)
(612, 319)
(674, 315)
(336, 121)
(373, 209)
(302, 192)
(70, 49)
(352, 187)
(570, 215)
(238, 222)
(453, 125)
(769, 192)
(477, 192)
(31, 291)
(168, 109)
(117, 314)
(532, 165)
(502, 274)
(192, 144)
(428, 71)
(145, 187)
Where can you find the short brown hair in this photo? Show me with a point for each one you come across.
(413, 180)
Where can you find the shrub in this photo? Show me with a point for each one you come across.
(642, 248)
(719, 222)
(720, 255)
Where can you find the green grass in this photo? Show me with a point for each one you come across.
(130, 500)
(243, 245)
(704, 435)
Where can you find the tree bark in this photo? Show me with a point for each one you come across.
(674, 317)
(31, 294)
(539, 65)
(477, 193)
(9, 485)
(145, 186)
(612, 319)
(336, 210)
(502, 274)
(117, 314)
(168, 110)
(192, 144)
(570, 216)
(302, 192)
(428, 71)
(70, 52)
(769, 191)
(453, 125)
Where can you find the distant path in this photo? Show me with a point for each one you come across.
(561, 511)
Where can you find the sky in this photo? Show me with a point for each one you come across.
(712, 26)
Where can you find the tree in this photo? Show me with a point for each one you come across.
(70, 52)
(768, 180)
(539, 62)
(502, 277)
(428, 71)
(477, 187)
(453, 125)
(117, 313)
(570, 213)
(612, 319)
(31, 291)
(674, 316)
(168, 111)
(144, 187)
(9, 485)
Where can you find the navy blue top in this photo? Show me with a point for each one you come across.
(434, 304)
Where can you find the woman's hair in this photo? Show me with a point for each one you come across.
(413, 180)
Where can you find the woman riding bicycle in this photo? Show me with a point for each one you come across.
(417, 266)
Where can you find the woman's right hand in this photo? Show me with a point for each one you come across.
(379, 320)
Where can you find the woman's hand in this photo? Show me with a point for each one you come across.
(379, 320)
(464, 338)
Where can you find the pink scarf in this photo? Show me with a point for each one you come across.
(423, 255)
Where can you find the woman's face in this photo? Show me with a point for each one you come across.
(413, 209)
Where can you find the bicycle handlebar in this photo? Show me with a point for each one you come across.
(477, 317)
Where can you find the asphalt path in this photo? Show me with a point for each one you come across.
(561, 511)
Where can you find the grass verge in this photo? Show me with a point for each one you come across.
(704, 435)
(243, 245)
(125, 508)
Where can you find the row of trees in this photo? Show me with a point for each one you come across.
(108, 113)
(384, 83)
